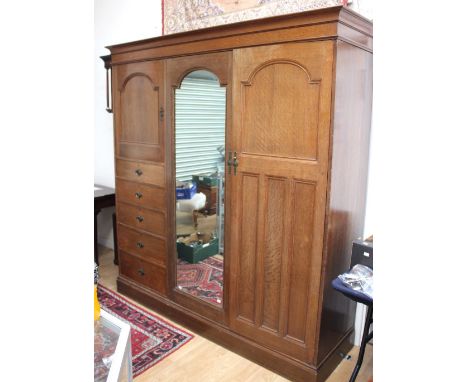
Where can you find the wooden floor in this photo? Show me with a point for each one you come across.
(203, 360)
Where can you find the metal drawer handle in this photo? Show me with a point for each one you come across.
(138, 195)
(140, 244)
(141, 272)
(138, 172)
(140, 218)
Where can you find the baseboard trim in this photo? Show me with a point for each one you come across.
(335, 356)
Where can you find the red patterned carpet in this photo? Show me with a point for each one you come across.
(153, 339)
(203, 280)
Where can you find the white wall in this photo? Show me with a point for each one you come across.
(115, 21)
(363, 7)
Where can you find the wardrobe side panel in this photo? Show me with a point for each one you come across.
(347, 199)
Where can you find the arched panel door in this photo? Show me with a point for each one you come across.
(280, 143)
(139, 113)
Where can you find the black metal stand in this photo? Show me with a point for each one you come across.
(366, 337)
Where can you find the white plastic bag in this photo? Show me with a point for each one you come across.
(360, 278)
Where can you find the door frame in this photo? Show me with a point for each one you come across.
(177, 69)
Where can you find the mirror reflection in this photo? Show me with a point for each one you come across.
(200, 115)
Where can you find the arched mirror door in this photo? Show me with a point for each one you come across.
(200, 134)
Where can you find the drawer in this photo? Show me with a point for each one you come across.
(141, 172)
(142, 272)
(142, 218)
(140, 194)
(139, 243)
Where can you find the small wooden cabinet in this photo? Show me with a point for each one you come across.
(298, 116)
(138, 97)
(138, 117)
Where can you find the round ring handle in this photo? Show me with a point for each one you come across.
(138, 172)
(140, 218)
(138, 195)
(140, 244)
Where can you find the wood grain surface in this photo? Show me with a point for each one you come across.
(298, 109)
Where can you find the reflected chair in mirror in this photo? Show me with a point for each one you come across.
(194, 206)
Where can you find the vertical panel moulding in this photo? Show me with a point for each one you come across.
(273, 252)
(287, 256)
(303, 223)
(123, 111)
(317, 87)
(238, 99)
(260, 250)
(248, 223)
(156, 132)
(169, 124)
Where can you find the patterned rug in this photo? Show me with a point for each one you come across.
(153, 339)
(203, 280)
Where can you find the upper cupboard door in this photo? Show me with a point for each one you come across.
(138, 111)
(280, 142)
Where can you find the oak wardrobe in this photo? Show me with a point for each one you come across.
(271, 119)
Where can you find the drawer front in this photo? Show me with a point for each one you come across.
(142, 218)
(140, 194)
(147, 246)
(141, 172)
(142, 272)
